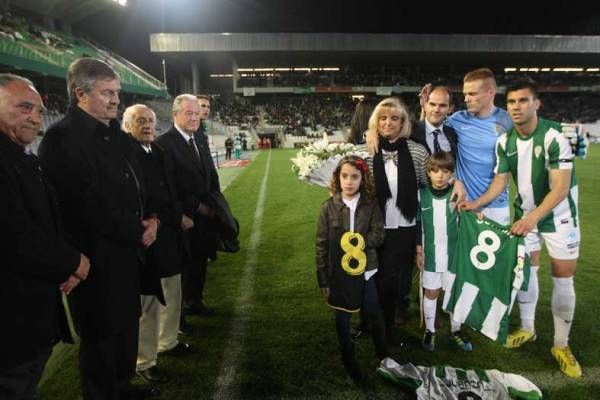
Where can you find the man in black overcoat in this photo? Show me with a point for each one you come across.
(197, 181)
(159, 323)
(36, 260)
(93, 167)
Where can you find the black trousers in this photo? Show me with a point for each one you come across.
(20, 383)
(107, 365)
(394, 277)
(372, 312)
(193, 279)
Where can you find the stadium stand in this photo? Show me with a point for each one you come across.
(407, 76)
(27, 46)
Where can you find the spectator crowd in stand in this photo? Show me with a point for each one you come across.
(402, 76)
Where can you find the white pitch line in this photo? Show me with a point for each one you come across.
(224, 388)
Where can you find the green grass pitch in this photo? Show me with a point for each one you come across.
(289, 347)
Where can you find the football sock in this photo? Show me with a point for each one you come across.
(563, 308)
(528, 301)
(429, 308)
(454, 326)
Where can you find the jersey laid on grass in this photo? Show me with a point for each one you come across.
(448, 383)
(476, 156)
(488, 269)
(439, 223)
(529, 159)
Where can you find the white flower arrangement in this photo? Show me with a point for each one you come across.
(316, 162)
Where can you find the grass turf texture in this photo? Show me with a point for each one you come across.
(290, 348)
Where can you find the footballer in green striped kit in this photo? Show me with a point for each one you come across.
(540, 160)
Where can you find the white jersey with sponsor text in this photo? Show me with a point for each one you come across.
(449, 383)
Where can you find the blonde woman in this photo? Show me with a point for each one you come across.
(399, 169)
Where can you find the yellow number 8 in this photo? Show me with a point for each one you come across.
(353, 251)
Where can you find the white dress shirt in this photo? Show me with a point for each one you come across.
(393, 217)
(187, 137)
(442, 139)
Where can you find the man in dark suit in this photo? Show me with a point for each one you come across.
(93, 166)
(196, 178)
(159, 323)
(36, 260)
(431, 132)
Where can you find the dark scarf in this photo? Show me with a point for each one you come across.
(406, 200)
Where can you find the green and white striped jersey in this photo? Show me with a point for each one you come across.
(439, 222)
(488, 268)
(449, 383)
(529, 160)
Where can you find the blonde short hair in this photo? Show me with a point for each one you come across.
(484, 74)
(395, 104)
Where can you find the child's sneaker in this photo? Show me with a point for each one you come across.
(567, 362)
(462, 341)
(518, 338)
(428, 341)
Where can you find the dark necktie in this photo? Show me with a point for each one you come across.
(436, 143)
(194, 150)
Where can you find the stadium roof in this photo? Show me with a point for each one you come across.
(125, 30)
(261, 48)
(65, 10)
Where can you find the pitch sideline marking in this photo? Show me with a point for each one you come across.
(243, 306)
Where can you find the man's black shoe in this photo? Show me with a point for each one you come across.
(181, 348)
(153, 375)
